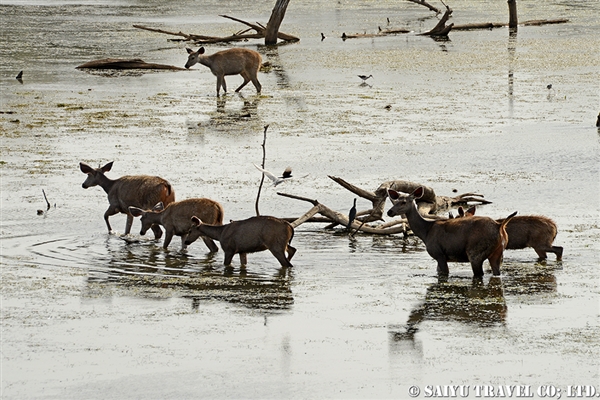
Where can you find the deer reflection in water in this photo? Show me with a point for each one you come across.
(467, 301)
(474, 302)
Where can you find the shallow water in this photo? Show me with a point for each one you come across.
(86, 314)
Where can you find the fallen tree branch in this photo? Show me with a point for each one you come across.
(118, 63)
(424, 3)
(492, 25)
(236, 37)
(341, 219)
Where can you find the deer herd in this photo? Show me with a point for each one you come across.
(466, 238)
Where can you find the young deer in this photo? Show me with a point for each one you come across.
(176, 219)
(534, 231)
(139, 191)
(249, 236)
(471, 240)
(229, 62)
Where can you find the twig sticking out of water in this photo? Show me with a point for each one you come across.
(262, 178)
(41, 212)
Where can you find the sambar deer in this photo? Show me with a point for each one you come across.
(244, 62)
(140, 191)
(249, 236)
(176, 219)
(536, 231)
(471, 240)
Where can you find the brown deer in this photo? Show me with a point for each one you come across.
(140, 191)
(176, 219)
(249, 236)
(471, 240)
(534, 231)
(244, 62)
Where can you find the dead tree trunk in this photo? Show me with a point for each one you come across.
(512, 14)
(274, 23)
(441, 29)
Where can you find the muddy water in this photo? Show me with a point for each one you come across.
(86, 314)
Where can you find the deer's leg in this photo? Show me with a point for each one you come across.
(228, 257)
(541, 252)
(183, 238)
(256, 83)
(280, 256)
(157, 231)
(128, 224)
(210, 244)
(168, 237)
(495, 260)
(558, 251)
(107, 214)
(246, 80)
(243, 259)
(442, 266)
(291, 251)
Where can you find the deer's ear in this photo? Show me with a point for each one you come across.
(418, 193)
(201, 50)
(159, 206)
(190, 51)
(196, 221)
(393, 194)
(86, 169)
(107, 167)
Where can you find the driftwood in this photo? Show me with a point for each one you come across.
(341, 219)
(492, 25)
(424, 3)
(260, 32)
(118, 63)
(429, 204)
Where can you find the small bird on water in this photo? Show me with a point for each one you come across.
(549, 87)
(323, 36)
(351, 215)
(365, 77)
(287, 174)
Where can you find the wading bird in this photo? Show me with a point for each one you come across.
(364, 77)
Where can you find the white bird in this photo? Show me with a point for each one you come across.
(287, 174)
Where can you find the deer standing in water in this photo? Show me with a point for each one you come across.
(471, 240)
(176, 219)
(140, 191)
(244, 62)
(249, 236)
(534, 231)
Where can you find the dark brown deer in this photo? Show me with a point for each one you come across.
(244, 62)
(534, 231)
(249, 236)
(176, 218)
(140, 191)
(471, 240)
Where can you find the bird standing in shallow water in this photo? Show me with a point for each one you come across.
(364, 77)
(351, 215)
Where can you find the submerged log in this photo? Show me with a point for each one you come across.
(119, 63)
